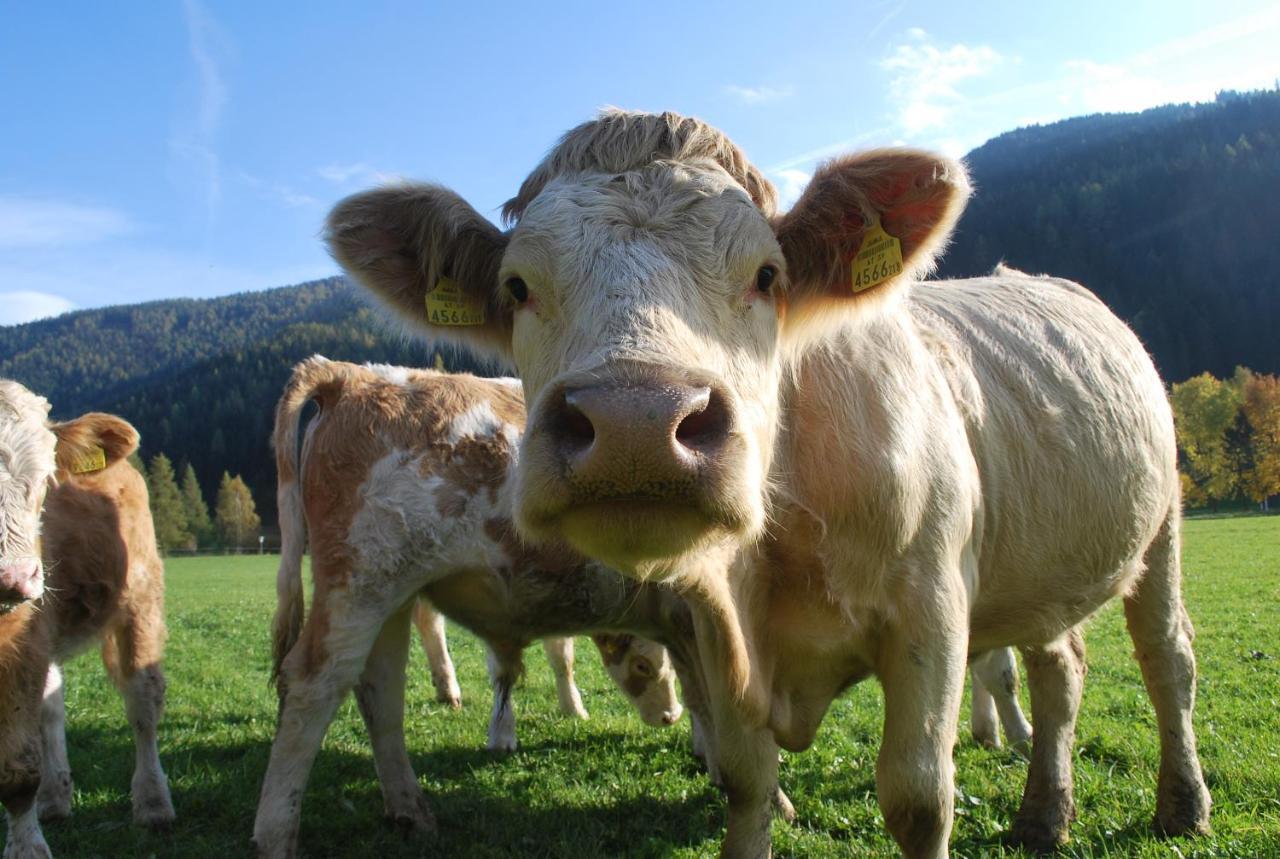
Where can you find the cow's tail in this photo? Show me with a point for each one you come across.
(309, 380)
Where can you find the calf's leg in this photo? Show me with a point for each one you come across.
(983, 721)
(430, 624)
(560, 656)
(132, 654)
(19, 785)
(54, 798)
(1055, 676)
(996, 671)
(1162, 636)
(380, 695)
(505, 667)
(323, 665)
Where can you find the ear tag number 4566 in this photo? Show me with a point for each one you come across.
(447, 304)
(879, 258)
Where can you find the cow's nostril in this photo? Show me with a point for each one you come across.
(573, 425)
(707, 426)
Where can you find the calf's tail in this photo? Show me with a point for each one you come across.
(310, 379)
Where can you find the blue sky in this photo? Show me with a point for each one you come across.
(153, 150)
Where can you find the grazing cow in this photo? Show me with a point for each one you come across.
(93, 574)
(401, 484)
(852, 473)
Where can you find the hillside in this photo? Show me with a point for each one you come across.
(1171, 215)
(200, 377)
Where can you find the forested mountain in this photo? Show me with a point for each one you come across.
(199, 378)
(1171, 215)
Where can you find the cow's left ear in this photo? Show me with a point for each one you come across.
(867, 222)
(92, 442)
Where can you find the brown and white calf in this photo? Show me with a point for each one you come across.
(852, 472)
(401, 484)
(85, 570)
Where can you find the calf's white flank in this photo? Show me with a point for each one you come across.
(851, 472)
(401, 485)
(85, 569)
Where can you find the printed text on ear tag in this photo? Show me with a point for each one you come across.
(447, 304)
(879, 258)
(93, 460)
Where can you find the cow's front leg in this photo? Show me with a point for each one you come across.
(19, 783)
(921, 667)
(560, 657)
(380, 696)
(430, 624)
(1055, 675)
(54, 798)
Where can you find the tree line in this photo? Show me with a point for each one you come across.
(182, 518)
(1228, 438)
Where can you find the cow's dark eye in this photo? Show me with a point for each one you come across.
(765, 278)
(643, 667)
(518, 288)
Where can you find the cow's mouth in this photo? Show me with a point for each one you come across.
(632, 533)
(10, 603)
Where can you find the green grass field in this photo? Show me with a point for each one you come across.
(614, 787)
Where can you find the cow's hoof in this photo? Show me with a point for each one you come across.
(1037, 836)
(501, 745)
(33, 850)
(417, 821)
(53, 809)
(155, 814)
(1183, 809)
(279, 851)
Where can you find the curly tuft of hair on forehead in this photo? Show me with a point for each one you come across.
(618, 141)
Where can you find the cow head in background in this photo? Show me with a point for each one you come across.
(649, 296)
(34, 455)
(643, 670)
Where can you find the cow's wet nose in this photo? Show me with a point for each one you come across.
(642, 435)
(20, 580)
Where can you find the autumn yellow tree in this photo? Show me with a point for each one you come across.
(1205, 409)
(1261, 406)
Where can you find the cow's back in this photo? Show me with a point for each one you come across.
(1070, 430)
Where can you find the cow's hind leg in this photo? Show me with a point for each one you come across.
(430, 624)
(321, 668)
(505, 667)
(54, 798)
(996, 671)
(132, 653)
(19, 784)
(380, 695)
(1162, 636)
(1055, 675)
(560, 656)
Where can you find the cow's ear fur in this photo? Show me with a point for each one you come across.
(399, 241)
(79, 441)
(916, 196)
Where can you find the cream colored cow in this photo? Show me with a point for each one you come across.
(853, 473)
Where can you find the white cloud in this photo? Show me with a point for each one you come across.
(194, 147)
(357, 173)
(759, 94)
(28, 222)
(926, 76)
(791, 184)
(26, 306)
(277, 192)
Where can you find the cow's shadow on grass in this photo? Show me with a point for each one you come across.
(538, 802)
(486, 804)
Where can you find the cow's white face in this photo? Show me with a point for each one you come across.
(645, 328)
(643, 670)
(27, 464)
(649, 299)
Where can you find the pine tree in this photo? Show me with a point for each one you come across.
(167, 507)
(198, 523)
(235, 518)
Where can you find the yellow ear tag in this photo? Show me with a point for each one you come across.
(879, 258)
(447, 304)
(94, 460)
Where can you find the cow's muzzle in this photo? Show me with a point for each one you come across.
(21, 580)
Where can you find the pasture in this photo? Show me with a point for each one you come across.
(614, 787)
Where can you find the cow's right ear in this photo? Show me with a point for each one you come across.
(92, 442)
(426, 254)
